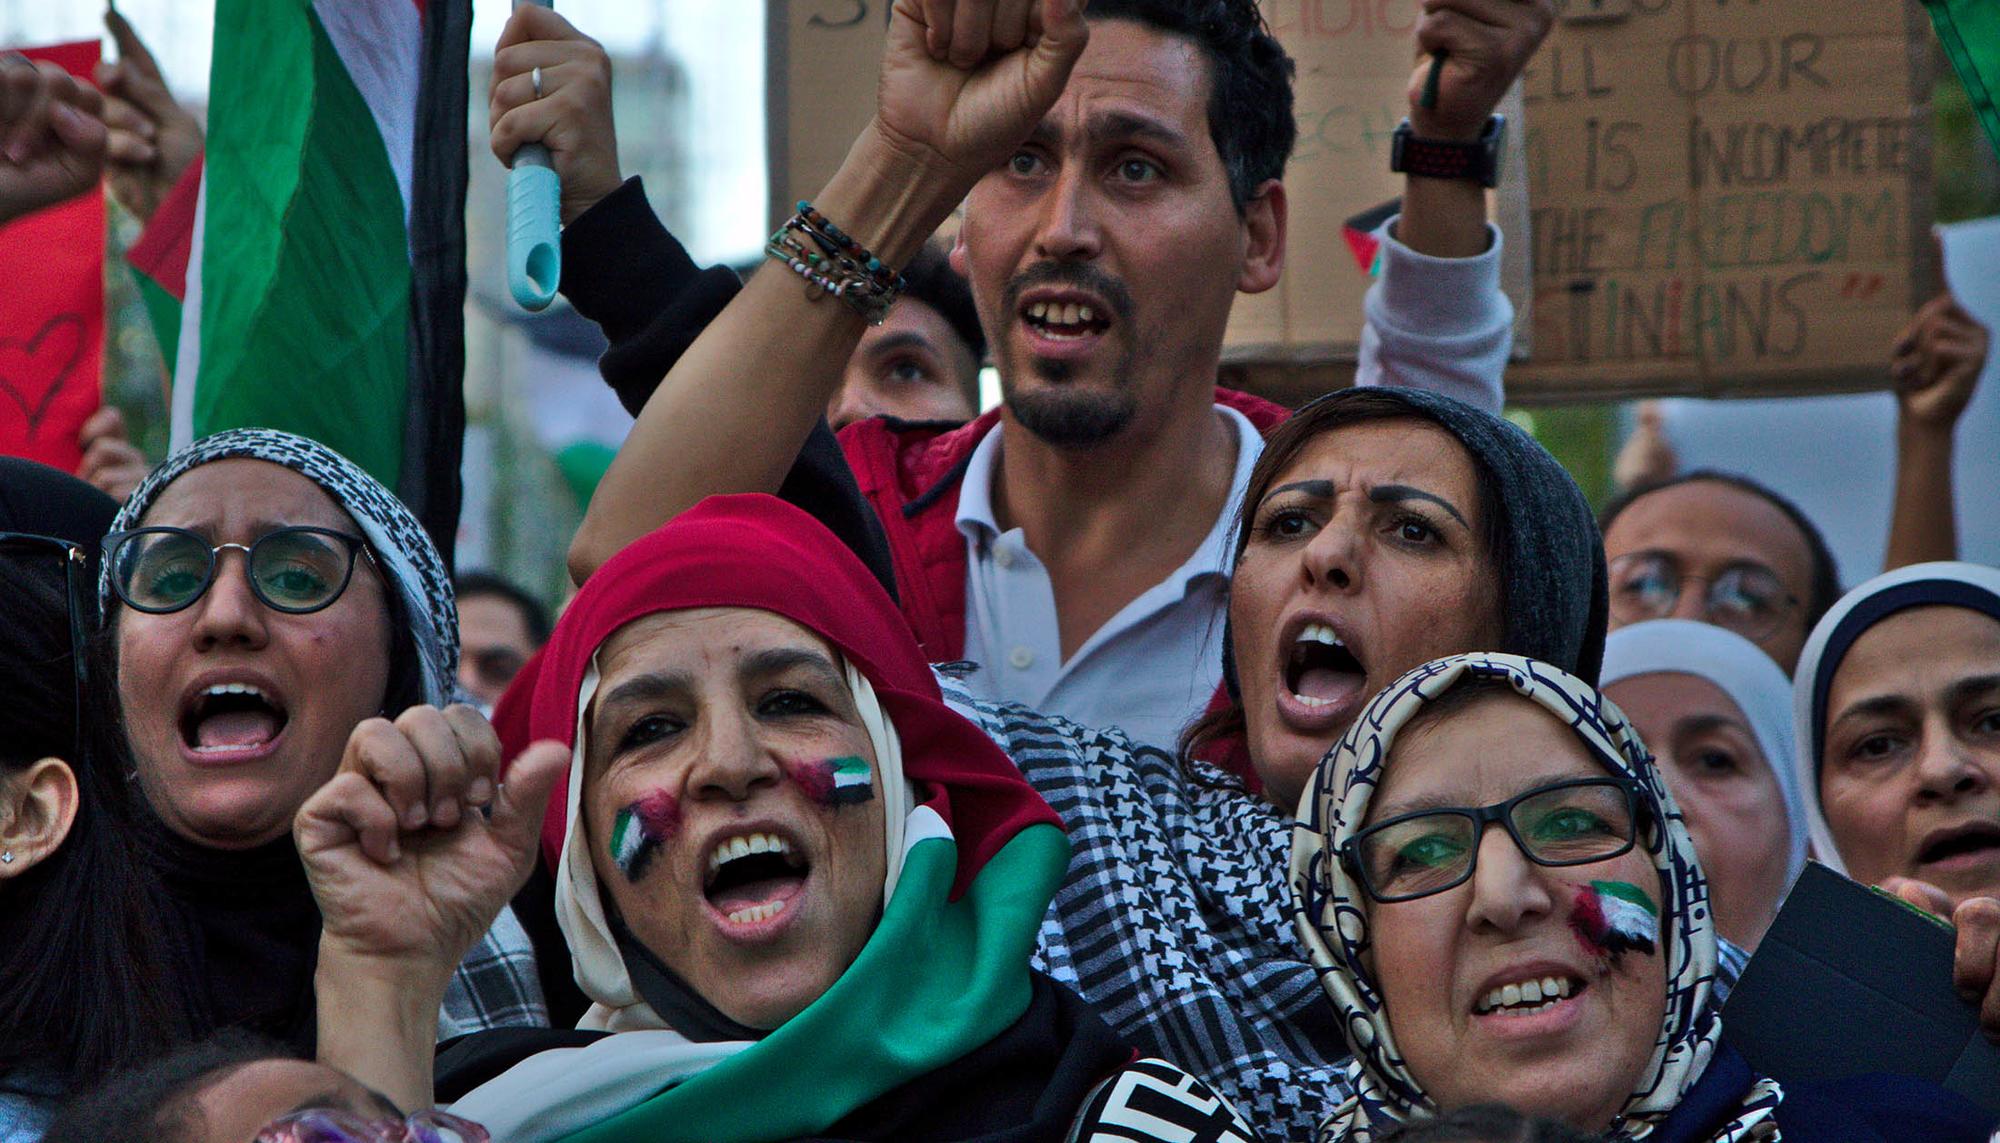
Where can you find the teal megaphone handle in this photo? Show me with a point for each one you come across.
(534, 228)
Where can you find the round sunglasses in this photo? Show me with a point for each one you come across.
(296, 570)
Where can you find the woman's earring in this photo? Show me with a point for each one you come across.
(7, 858)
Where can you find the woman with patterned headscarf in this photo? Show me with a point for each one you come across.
(1561, 962)
(263, 597)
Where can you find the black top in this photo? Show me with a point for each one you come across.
(624, 271)
(249, 926)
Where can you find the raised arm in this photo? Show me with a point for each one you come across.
(1436, 318)
(1935, 365)
(51, 137)
(404, 888)
(961, 85)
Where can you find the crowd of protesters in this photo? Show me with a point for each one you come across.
(1116, 764)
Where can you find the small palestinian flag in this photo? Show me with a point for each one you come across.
(852, 781)
(639, 830)
(1359, 232)
(837, 781)
(1613, 917)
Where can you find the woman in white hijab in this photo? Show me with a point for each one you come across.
(1716, 712)
(1897, 708)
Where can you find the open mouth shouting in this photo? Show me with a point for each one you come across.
(1322, 680)
(752, 881)
(1969, 845)
(231, 720)
(1063, 322)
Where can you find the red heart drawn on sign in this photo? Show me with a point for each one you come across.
(34, 371)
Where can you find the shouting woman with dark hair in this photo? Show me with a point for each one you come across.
(1382, 528)
(87, 981)
(264, 597)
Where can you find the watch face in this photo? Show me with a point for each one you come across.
(1496, 135)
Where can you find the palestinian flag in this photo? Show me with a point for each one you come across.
(1614, 917)
(1361, 233)
(1970, 32)
(308, 274)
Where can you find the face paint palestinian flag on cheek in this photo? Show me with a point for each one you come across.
(1611, 918)
(845, 781)
(639, 831)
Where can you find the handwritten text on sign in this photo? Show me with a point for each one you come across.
(1728, 196)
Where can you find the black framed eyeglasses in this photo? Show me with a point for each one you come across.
(296, 570)
(1746, 598)
(75, 563)
(1572, 822)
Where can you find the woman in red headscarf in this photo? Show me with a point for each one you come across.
(799, 891)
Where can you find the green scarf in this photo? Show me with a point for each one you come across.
(938, 979)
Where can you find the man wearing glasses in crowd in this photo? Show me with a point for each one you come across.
(1719, 548)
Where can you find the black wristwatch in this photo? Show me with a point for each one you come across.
(1477, 161)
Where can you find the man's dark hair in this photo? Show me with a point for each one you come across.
(933, 282)
(1824, 590)
(1484, 1123)
(534, 616)
(1250, 81)
(155, 1103)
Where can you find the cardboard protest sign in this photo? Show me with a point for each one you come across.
(1848, 982)
(52, 312)
(1354, 60)
(1729, 196)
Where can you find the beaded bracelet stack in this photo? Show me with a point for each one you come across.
(835, 264)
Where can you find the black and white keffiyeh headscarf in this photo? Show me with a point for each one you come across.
(408, 558)
(1333, 911)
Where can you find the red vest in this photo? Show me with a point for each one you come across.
(912, 477)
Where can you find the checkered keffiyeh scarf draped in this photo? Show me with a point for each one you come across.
(1333, 915)
(496, 986)
(1174, 919)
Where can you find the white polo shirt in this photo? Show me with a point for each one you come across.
(1148, 670)
(1440, 324)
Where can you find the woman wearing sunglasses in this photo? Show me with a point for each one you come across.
(1508, 909)
(263, 597)
(84, 979)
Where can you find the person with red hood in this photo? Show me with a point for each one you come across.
(799, 891)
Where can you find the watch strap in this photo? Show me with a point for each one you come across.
(1477, 161)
